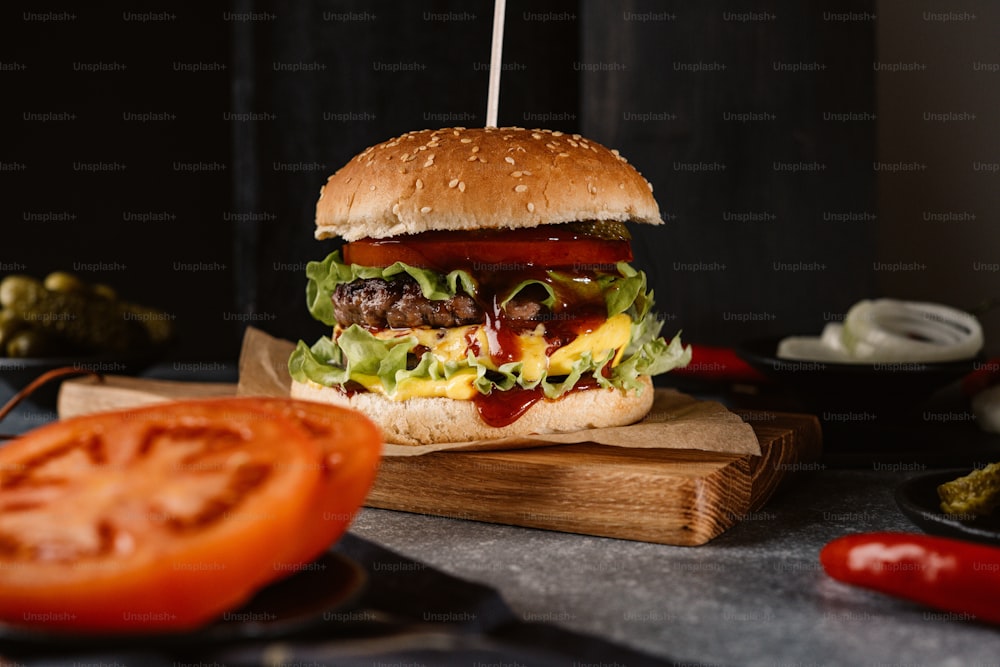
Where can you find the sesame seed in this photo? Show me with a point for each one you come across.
(520, 188)
(429, 162)
(466, 140)
(420, 184)
(425, 209)
(453, 182)
(563, 155)
(577, 137)
(557, 133)
(482, 159)
(404, 157)
(472, 158)
(372, 187)
(614, 151)
(475, 149)
(531, 207)
(621, 186)
(395, 208)
(593, 189)
(573, 143)
(461, 186)
(517, 174)
(526, 173)
(650, 186)
(509, 160)
(536, 135)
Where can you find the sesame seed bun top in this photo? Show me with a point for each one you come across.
(480, 178)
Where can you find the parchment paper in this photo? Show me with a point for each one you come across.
(676, 420)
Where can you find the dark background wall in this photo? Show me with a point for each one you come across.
(178, 154)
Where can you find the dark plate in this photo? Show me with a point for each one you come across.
(301, 602)
(15, 374)
(917, 498)
(827, 386)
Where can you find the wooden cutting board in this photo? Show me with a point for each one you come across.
(668, 496)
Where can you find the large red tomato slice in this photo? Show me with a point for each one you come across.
(543, 247)
(350, 450)
(159, 518)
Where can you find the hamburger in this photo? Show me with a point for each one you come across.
(483, 288)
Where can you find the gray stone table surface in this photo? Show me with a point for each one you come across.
(756, 595)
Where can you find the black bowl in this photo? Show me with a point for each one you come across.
(917, 498)
(838, 386)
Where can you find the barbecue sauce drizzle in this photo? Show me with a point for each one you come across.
(575, 311)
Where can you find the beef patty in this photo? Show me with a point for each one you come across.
(376, 303)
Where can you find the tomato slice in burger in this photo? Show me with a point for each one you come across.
(546, 246)
(350, 450)
(159, 518)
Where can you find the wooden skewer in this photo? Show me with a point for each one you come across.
(493, 98)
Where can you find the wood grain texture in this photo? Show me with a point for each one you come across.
(681, 497)
(85, 395)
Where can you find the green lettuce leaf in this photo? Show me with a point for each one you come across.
(323, 278)
(356, 352)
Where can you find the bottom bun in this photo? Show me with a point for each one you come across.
(428, 421)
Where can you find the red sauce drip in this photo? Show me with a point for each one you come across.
(350, 388)
(503, 408)
(500, 336)
(578, 307)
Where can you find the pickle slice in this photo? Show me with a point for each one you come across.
(606, 230)
(975, 494)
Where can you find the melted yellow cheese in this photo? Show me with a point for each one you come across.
(611, 337)
(459, 386)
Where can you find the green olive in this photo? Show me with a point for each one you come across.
(8, 315)
(13, 286)
(28, 343)
(9, 327)
(104, 291)
(63, 281)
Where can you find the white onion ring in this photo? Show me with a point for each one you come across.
(887, 330)
(827, 347)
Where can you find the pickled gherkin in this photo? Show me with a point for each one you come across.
(607, 230)
(77, 320)
(975, 494)
(159, 325)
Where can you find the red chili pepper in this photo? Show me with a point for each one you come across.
(983, 376)
(719, 364)
(947, 574)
